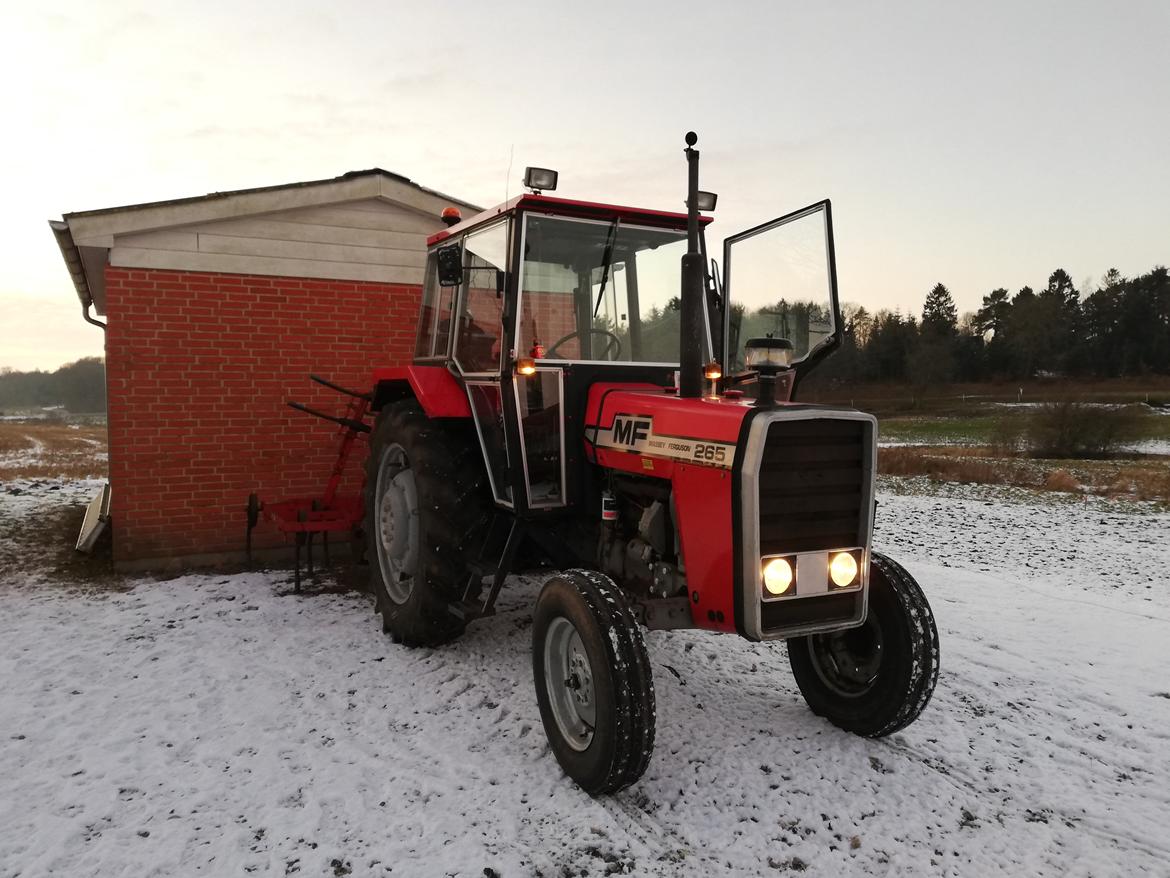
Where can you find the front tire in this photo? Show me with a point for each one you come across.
(875, 679)
(425, 502)
(593, 682)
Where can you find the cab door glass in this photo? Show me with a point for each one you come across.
(477, 346)
(538, 400)
(488, 411)
(780, 281)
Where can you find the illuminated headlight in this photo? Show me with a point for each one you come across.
(843, 569)
(778, 576)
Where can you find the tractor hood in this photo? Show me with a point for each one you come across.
(662, 429)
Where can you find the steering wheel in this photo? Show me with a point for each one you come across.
(614, 343)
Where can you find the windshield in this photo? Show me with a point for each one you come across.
(599, 291)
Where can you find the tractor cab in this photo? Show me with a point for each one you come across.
(531, 303)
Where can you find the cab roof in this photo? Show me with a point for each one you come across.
(569, 207)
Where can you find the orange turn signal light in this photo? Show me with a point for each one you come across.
(526, 366)
(713, 371)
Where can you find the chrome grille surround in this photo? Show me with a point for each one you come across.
(830, 611)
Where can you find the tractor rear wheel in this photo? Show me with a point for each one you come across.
(425, 502)
(875, 679)
(593, 681)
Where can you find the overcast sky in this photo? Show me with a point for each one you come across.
(977, 144)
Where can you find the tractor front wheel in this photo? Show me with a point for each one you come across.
(875, 679)
(593, 681)
(425, 503)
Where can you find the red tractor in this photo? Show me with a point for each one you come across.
(572, 406)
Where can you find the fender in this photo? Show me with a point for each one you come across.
(438, 391)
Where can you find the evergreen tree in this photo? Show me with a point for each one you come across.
(940, 318)
(1060, 287)
(992, 316)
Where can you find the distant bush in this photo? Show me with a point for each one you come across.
(1007, 435)
(1075, 429)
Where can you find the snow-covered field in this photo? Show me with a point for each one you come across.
(219, 725)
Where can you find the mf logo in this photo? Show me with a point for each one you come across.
(630, 431)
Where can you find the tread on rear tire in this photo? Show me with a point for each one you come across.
(451, 508)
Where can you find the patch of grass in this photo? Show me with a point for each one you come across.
(38, 449)
(1005, 427)
(976, 430)
(937, 464)
(1146, 480)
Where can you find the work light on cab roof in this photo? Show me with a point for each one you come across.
(586, 396)
(540, 179)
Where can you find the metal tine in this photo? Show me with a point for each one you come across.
(325, 382)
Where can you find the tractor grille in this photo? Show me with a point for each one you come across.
(813, 482)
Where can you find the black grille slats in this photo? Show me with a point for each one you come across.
(813, 482)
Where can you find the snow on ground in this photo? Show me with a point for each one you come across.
(1149, 446)
(219, 725)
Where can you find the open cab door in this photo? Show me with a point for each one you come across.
(780, 281)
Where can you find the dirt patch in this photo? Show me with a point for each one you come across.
(40, 541)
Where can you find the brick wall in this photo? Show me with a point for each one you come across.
(199, 367)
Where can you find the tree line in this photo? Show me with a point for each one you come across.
(1120, 328)
(79, 387)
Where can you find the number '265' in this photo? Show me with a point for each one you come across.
(715, 453)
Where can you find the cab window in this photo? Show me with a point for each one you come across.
(477, 344)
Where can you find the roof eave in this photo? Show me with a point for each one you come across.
(73, 262)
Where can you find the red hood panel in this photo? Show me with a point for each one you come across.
(716, 420)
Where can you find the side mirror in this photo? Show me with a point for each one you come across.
(450, 261)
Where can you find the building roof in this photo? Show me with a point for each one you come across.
(86, 237)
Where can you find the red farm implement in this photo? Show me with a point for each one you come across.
(331, 512)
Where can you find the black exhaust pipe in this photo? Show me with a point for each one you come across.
(690, 376)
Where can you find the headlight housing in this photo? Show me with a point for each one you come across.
(778, 574)
(843, 569)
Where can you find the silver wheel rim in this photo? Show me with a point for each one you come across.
(397, 535)
(848, 662)
(568, 680)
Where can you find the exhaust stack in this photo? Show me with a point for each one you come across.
(690, 376)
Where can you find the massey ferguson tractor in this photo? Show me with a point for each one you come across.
(573, 406)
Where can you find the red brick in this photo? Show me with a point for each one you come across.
(199, 366)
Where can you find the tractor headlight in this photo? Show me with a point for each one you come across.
(843, 569)
(778, 576)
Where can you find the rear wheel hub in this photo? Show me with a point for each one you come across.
(397, 510)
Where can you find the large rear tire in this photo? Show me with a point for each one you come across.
(593, 682)
(425, 504)
(875, 679)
